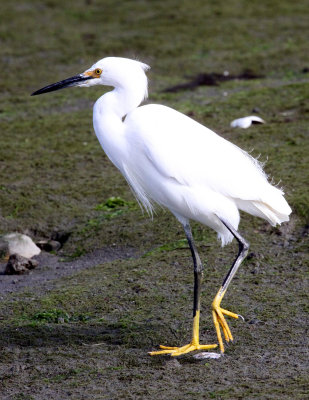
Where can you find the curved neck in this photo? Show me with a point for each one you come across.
(109, 111)
(125, 97)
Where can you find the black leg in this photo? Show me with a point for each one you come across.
(242, 254)
(198, 277)
(218, 312)
(198, 270)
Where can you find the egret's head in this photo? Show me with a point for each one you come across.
(110, 71)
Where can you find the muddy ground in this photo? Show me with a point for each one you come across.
(80, 325)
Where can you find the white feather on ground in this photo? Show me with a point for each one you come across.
(246, 122)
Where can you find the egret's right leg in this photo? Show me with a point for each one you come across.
(198, 277)
(218, 312)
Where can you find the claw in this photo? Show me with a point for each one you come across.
(241, 317)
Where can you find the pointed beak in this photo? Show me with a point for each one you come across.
(70, 82)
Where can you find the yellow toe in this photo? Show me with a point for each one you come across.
(178, 351)
(220, 323)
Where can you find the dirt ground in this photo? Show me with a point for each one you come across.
(81, 324)
(85, 332)
(53, 268)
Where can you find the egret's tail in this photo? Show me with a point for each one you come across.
(273, 207)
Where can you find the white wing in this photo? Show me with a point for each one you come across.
(179, 148)
(189, 169)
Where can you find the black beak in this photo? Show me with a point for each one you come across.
(75, 80)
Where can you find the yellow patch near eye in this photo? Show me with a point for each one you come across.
(94, 74)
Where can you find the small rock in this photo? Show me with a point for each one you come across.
(20, 244)
(49, 245)
(18, 265)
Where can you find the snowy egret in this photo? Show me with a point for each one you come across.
(169, 159)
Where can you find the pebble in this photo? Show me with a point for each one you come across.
(49, 245)
(18, 265)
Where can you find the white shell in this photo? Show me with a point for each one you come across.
(203, 355)
(21, 244)
(245, 122)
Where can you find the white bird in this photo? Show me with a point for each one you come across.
(169, 159)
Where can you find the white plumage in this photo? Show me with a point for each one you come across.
(170, 159)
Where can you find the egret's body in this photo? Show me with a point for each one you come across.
(169, 159)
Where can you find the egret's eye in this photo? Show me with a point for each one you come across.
(98, 71)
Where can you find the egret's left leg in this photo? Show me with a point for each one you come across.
(198, 276)
(217, 311)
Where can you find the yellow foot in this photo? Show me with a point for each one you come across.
(219, 319)
(178, 351)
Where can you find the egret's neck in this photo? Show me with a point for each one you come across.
(109, 111)
(124, 98)
(107, 120)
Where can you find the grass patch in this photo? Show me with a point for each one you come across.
(58, 317)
